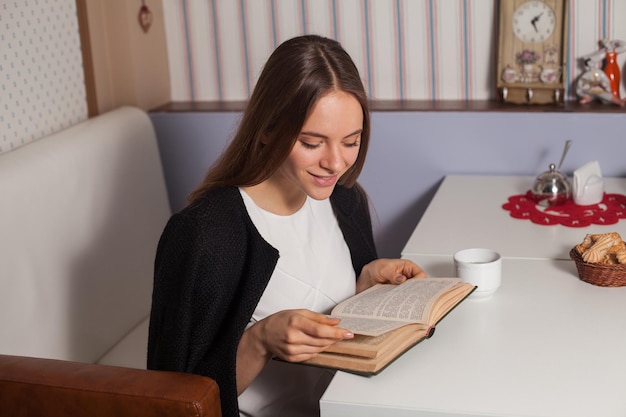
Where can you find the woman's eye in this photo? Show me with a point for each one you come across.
(354, 144)
(309, 145)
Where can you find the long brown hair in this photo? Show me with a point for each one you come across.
(297, 74)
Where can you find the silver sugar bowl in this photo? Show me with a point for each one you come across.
(551, 188)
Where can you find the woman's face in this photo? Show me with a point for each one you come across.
(327, 146)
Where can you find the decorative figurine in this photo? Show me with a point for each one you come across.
(603, 83)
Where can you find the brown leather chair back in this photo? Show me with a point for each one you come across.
(54, 388)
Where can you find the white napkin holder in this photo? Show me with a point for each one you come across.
(588, 184)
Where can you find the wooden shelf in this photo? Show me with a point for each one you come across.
(415, 106)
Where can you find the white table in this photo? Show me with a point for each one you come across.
(467, 212)
(545, 345)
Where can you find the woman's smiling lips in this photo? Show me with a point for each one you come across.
(324, 180)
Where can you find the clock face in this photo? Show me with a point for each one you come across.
(533, 22)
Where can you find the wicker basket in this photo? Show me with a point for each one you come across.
(604, 275)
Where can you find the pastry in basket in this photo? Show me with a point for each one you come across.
(601, 259)
(603, 248)
(621, 256)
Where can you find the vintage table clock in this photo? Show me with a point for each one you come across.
(532, 51)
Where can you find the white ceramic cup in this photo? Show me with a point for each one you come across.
(480, 267)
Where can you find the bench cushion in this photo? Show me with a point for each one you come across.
(81, 214)
(132, 350)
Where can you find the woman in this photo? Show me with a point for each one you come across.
(275, 236)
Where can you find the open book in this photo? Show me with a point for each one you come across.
(388, 319)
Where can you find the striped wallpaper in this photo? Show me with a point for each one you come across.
(404, 49)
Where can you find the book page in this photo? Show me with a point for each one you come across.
(396, 304)
(369, 327)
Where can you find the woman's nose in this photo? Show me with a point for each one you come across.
(332, 159)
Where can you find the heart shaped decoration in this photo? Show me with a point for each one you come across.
(145, 18)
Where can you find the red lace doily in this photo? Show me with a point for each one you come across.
(609, 211)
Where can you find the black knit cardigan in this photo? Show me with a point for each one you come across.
(211, 268)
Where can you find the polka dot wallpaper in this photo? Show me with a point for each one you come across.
(42, 88)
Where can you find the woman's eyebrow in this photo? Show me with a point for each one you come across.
(321, 136)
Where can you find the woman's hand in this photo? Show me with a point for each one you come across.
(291, 335)
(298, 335)
(389, 271)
